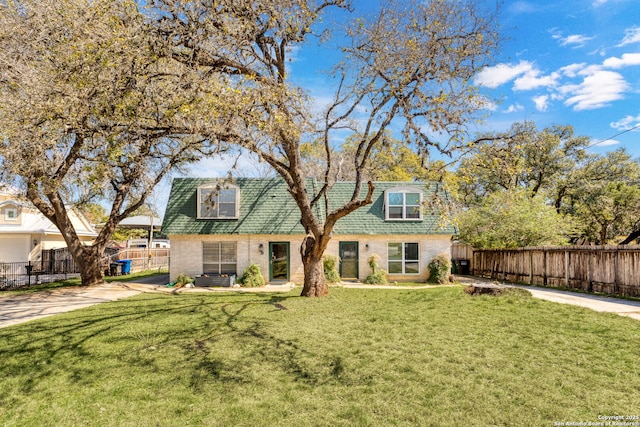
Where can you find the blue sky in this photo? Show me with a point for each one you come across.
(574, 62)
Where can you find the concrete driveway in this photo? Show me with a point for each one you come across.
(16, 309)
(594, 302)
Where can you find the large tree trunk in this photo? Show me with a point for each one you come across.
(88, 258)
(312, 251)
(315, 284)
(90, 263)
(603, 234)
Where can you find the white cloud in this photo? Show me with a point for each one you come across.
(532, 80)
(573, 69)
(513, 108)
(626, 123)
(520, 7)
(597, 90)
(605, 143)
(574, 40)
(631, 35)
(492, 77)
(597, 3)
(626, 60)
(525, 74)
(598, 52)
(542, 102)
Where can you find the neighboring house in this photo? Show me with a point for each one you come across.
(152, 225)
(144, 243)
(223, 228)
(25, 232)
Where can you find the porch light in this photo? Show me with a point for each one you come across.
(261, 248)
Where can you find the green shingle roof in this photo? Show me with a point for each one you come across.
(266, 207)
(370, 219)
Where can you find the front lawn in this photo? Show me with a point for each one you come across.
(359, 357)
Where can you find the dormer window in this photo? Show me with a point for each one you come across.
(11, 214)
(403, 204)
(218, 201)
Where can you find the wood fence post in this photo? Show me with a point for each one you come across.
(505, 261)
(590, 277)
(493, 264)
(566, 268)
(616, 277)
(544, 267)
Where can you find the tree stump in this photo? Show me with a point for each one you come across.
(485, 289)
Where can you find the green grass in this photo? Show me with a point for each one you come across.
(77, 282)
(398, 284)
(359, 357)
(410, 284)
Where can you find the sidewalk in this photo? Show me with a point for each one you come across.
(594, 302)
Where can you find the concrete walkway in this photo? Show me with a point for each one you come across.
(594, 302)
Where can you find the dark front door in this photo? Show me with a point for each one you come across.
(279, 261)
(349, 260)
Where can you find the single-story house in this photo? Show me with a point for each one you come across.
(222, 228)
(25, 232)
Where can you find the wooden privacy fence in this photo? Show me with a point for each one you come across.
(608, 269)
(461, 251)
(142, 258)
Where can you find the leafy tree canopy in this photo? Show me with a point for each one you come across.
(597, 195)
(522, 157)
(89, 113)
(603, 195)
(511, 219)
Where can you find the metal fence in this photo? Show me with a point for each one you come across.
(57, 264)
(20, 274)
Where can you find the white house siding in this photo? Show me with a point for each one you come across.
(429, 246)
(186, 252)
(53, 241)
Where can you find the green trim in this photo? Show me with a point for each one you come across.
(357, 258)
(287, 246)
